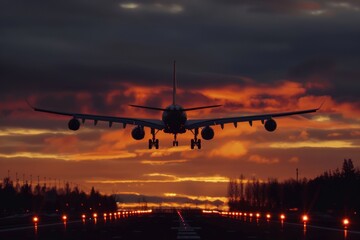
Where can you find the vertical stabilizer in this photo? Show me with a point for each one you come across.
(174, 84)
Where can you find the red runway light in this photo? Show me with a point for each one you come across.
(346, 222)
(258, 215)
(305, 218)
(35, 219)
(268, 216)
(64, 217)
(95, 215)
(83, 216)
(282, 216)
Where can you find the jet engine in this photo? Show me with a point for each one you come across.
(74, 124)
(270, 125)
(207, 133)
(138, 133)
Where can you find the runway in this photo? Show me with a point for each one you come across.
(176, 224)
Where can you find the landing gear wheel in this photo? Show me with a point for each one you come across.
(153, 142)
(150, 144)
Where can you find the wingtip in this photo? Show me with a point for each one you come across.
(29, 104)
(322, 103)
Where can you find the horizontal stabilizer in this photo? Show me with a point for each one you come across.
(198, 108)
(146, 107)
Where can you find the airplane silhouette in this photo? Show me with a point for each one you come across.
(174, 121)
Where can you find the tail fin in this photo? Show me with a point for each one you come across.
(174, 84)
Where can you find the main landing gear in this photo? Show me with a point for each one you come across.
(196, 141)
(175, 142)
(153, 142)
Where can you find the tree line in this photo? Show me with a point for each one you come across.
(25, 198)
(334, 191)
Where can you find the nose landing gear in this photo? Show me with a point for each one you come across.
(175, 142)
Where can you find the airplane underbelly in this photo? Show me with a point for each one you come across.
(174, 129)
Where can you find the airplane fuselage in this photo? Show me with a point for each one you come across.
(174, 119)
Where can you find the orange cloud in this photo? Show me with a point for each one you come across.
(63, 144)
(263, 160)
(232, 149)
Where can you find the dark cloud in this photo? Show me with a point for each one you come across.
(80, 45)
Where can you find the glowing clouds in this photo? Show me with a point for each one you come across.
(232, 150)
(314, 144)
(163, 162)
(263, 160)
(153, 7)
(129, 5)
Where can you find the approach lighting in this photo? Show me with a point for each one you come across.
(35, 219)
(64, 217)
(305, 218)
(268, 216)
(346, 222)
(282, 216)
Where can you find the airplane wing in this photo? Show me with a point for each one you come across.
(151, 123)
(198, 123)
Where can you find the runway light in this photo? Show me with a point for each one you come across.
(105, 214)
(83, 216)
(35, 219)
(282, 216)
(346, 222)
(64, 217)
(250, 214)
(305, 218)
(95, 215)
(258, 215)
(268, 216)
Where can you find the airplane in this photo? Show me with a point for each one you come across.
(174, 121)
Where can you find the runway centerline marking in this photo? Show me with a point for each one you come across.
(185, 231)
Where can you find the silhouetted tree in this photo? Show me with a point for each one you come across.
(43, 199)
(332, 191)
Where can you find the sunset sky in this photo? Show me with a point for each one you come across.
(98, 56)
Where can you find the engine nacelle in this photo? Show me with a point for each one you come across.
(270, 125)
(74, 124)
(138, 133)
(207, 133)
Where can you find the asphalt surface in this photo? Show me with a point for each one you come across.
(171, 225)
